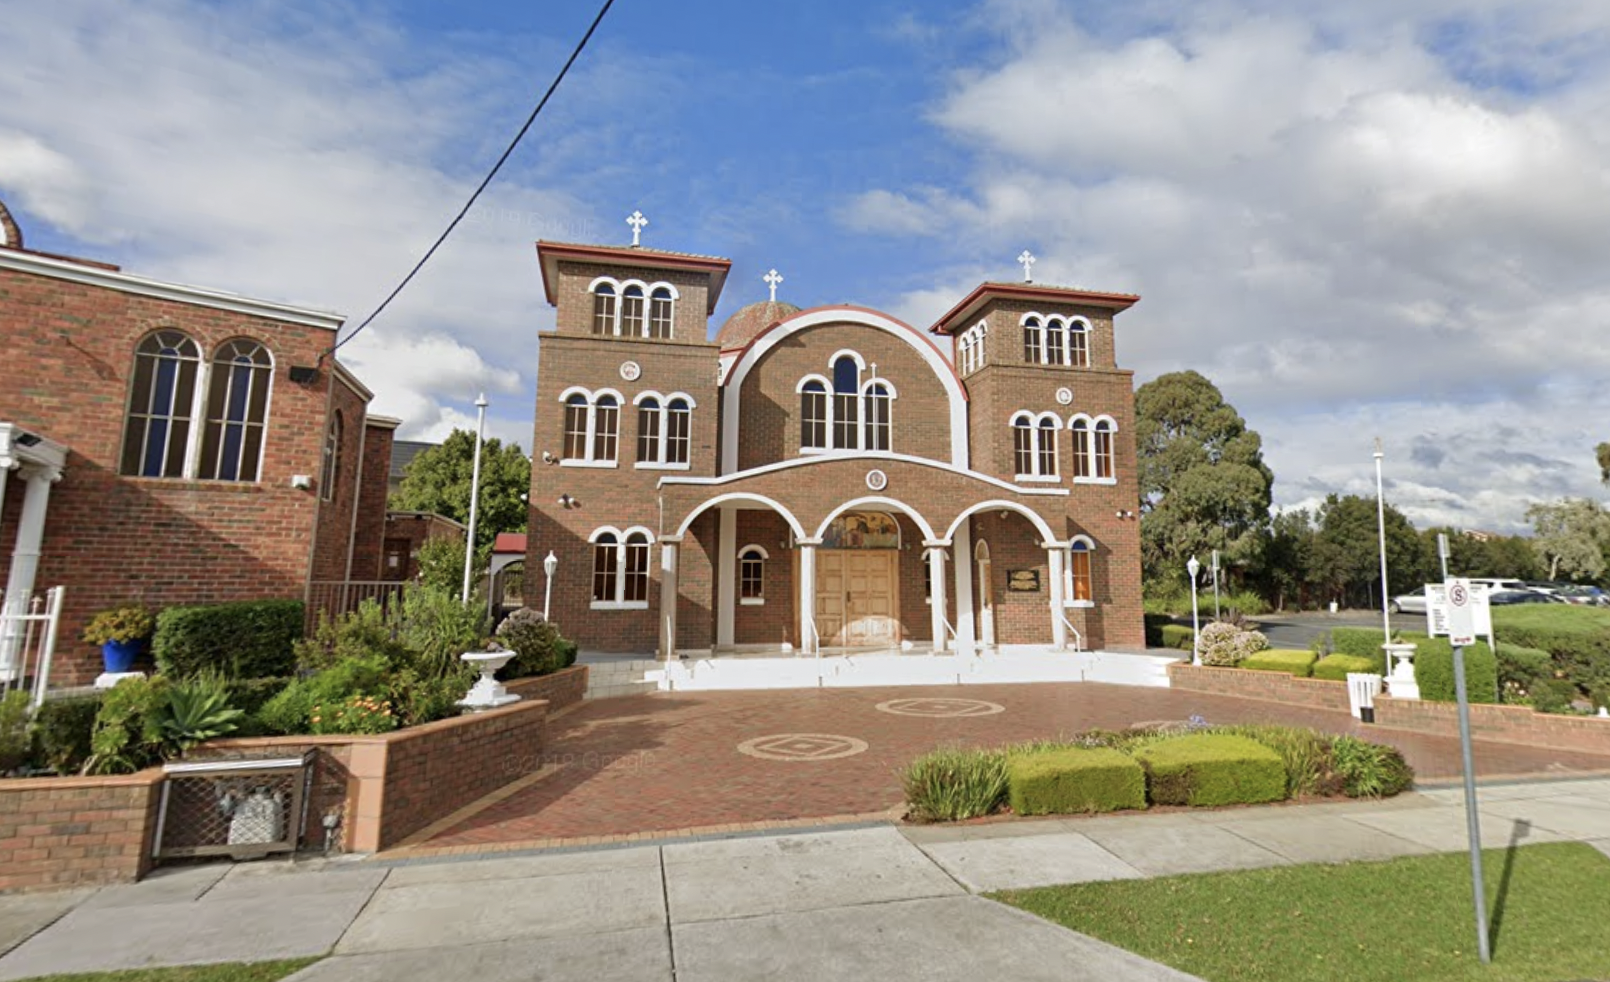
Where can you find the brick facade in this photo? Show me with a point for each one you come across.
(405, 532)
(76, 831)
(948, 476)
(70, 329)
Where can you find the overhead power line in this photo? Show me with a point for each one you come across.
(580, 47)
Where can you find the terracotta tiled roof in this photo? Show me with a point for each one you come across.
(749, 321)
(508, 542)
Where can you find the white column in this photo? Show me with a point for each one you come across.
(1059, 627)
(726, 575)
(668, 598)
(962, 543)
(807, 596)
(936, 579)
(25, 557)
(5, 475)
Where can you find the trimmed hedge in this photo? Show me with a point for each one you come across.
(1207, 769)
(1337, 667)
(1576, 637)
(1433, 669)
(1176, 636)
(1289, 660)
(1154, 624)
(1075, 779)
(1359, 642)
(63, 728)
(244, 640)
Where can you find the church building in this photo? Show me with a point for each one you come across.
(830, 478)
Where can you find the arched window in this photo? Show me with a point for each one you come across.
(846, 403)
(1078, 588)
(162, 399)
(633, 323)
(1033, 344)
(1081, 447)
(1102, 462)
(620, 568)
(1079, 342)
(648, 431)
(592, 427)
(1054, 349)
(970, 348)
(330, 476)
(237, 412)
(878, 399)
(813, 415)
(660, 307)
(1034, 446)
(603, 308)
(752, 575)
(678, 431)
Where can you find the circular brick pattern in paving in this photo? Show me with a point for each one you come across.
(941, 708)
(802, 746)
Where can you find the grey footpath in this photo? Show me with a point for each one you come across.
(901, 903)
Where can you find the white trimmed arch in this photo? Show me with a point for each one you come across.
(876, 502)
(1000, 504)
(762, 345)
(732, 496)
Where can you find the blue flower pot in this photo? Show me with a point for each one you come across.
(119, 656)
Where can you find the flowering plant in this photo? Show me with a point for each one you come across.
(354, 714)
(130, 622)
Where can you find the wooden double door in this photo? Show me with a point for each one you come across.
(857, 597)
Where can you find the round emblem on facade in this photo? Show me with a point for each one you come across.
(630, 370)
(877, 480)
(802, 746)
(1064, 396)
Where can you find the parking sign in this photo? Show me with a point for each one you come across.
(1462, 603)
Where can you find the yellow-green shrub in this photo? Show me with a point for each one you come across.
(1074, 779)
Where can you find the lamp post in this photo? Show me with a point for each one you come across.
(549, 566)
(1193, 567)
(475, 493)
(1380, 521)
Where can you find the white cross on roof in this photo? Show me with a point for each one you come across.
(772, 279)
(636, 221)
(1028, 261)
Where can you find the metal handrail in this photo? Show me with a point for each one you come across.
(812, 634)
(1078, 639)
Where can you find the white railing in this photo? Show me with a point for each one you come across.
(1078, 639)
(28, 644)
(810, 637)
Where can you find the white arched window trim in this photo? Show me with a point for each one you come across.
(1077, 544)
(749, 557)
(806, 380)
(862, 393)
(1038, 433)
(591, 397)
(1065, 327)
(659, 463)
(850, 353)
(970, 348)
(636, 536)
(201, 427)
(619, 287)
(1093, 425)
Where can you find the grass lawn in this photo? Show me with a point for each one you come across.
(1363, 922)
(255, 972)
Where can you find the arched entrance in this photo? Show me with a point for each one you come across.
(986, 595)
(857, 570)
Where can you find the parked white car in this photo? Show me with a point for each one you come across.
(1408, 603)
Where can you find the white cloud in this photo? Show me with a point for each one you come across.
(1327, 212)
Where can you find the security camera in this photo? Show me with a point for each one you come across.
(549, 458)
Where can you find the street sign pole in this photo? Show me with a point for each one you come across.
(1462, 632)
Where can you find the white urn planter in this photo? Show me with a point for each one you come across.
(1400, 684)
(487, 692)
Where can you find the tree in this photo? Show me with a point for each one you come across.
(1602, 452)
(1570, 536)
(438, 480)
(1203, 482)
(1509, 556)
(1347, 551)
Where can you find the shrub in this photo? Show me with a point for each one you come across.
(1553, 696)
(437, 628)
(954, 783)
(1359, 642)
(1154, 624)
(1227, 645)
(370, 631)
(1208, 769)
(1176, 636)
(1338, 667)
(16, 737)
(1245, 602)
(1520, 670)
(195, 710)
(291, 710)
(1060, 782)
(418, 700)
(128, 727)
(1433, 670)
(65, 727)
(130, 622)
(248, 639)
(1305, 753)
(535, 643)
(1576, 637)
(1370, 770)
(354, 714)
(1288, 660)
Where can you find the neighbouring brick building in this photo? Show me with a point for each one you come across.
(172, 444)
(829, 477)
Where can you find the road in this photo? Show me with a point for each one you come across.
(1298, 630)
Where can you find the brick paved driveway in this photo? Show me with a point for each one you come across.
(666, 762)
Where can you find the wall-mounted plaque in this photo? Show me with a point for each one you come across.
(1023, 580)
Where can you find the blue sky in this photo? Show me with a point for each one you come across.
(1382, 217)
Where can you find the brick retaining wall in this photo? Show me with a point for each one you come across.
(76, 831)
(562, 689)
(1505, 724)
(1267, 686)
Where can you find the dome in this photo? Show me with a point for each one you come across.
(10, 234)
(743, 326)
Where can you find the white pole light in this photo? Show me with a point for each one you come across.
(475, 492)
(549, 566)
(1380, 521)
(1193, 567)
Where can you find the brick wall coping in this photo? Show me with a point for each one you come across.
(151, 775)
(395, 736)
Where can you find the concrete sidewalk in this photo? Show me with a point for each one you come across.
(899, 903)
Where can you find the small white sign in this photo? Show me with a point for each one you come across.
(1461, 613)
(1437, 609)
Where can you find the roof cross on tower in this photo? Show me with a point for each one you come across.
(636, 221)
(1028, 261)
(772, 279)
